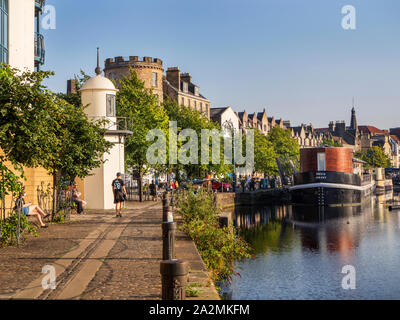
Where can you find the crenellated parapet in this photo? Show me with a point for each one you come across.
(134, 62)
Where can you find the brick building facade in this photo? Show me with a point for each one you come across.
(179, 87)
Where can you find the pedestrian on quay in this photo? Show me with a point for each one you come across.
(243, 184)
(153, 191)
(252, 184)
(119, 192)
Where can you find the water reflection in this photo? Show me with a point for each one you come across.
(309, 245)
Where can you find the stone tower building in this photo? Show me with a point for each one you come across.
(150, 70)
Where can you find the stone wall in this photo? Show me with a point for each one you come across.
(116, 68)
(35, 177)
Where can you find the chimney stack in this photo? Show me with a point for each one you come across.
(174, 77)
(71, 86)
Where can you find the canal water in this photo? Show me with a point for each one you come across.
(299, 252)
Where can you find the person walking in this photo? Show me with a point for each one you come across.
(119, 192)
(153, 191)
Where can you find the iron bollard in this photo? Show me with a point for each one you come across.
(165, 208)
(174, 275)
(167, 214)
(168, 235)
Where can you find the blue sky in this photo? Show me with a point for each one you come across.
(291, 57)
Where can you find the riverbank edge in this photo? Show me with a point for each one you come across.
(186, 249)
(271, 196)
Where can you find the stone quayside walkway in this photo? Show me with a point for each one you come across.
(97, 256)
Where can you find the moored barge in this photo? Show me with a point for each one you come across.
(330, 176)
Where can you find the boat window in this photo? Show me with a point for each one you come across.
(321, 161)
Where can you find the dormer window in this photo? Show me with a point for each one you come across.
(185, 87)
(196, 91)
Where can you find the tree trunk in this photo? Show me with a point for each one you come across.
(140, 185)
(53, 213)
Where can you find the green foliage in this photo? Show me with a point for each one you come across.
(136, 102)
(284, 145)
(188, 118)
(192, 289)
(28, 133)
(9, 180)
(82, 143)
(264, 154)
(331, 142)
(286, 148)
(60, 217)
(37, 128)
(10, 227)
(375, 158)
(75, 98)
(219, 247)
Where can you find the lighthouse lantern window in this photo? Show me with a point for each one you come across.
(111, 112)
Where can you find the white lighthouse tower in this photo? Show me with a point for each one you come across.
(99, 94)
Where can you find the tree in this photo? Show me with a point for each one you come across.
(331, 142)
(84, 144)
(26, 131)
(375, 157)
(138, 103)
(264, 154)
(188, 118)
(80, 144)
(75, 98)
(37, 128)
(286, 148)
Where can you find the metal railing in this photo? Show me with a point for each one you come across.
(366, 179)
(115, 123)
(39, 48)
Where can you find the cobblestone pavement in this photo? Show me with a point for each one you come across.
(132, 268)
(98, 255)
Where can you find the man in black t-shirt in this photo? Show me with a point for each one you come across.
(119, 191)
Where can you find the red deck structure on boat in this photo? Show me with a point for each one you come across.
(336, 159)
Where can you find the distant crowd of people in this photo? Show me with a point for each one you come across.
(250, 183)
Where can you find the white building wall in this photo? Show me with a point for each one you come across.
(230, 115)
(21, 33)
(98, 191)
(94, 189)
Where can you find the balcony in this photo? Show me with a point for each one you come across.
(39, 4)
(39, 49)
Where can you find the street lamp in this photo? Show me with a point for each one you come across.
(228, 125)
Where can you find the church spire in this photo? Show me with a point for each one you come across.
(353, 124)
(98, 70)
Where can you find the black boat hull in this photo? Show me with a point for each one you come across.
(329, 189)
(327, 196)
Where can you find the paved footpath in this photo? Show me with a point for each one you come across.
(96, 256)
